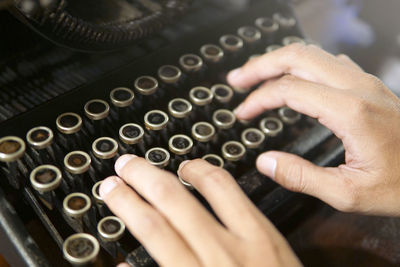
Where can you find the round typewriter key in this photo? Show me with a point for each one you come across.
(212, 53)
(179, 108)
(191, 62)
(77, 162)
(156, 120)
(96, 192)
(131, 133)
(267, 25)
(158, 156)
(222, 93)
(105, 148)
(69, 123)
(284, 20)
(180, 144)
(45, 178)
(288, 40)
(252, 138)
(201, 96)
(272, 48)
(111, 228)
(81, 249)
(169, 74)
(97, 109)
(231, 42)
(76, 205)
(203, 131)
(288, 115)
(249, 34)
(12, 148)
(214, 160)
(233, 151)
(146, 85)
(40, 137)
(122, 97)
(271, 126)
(224, 119)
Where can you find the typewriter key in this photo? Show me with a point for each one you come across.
(105, 148)
(77, 162)
(272, 48)
(249, 34)
(212, 53)
(40, 137)
(76, 205)
(131, 133)
(288, 115)
(179, 108)
(69, 123)
(222, 93)
(111, 228)
(223, 119)
(180, 144)
(253, 138)
(231, 42)
(233, 151)
(122, 97)
(146, 85)
(97, 109)
(45, 178)
(96, 193)
(288, 40)
(214, 160)
(267, 25)
(191, 62)
(12, 148)
(169, 74)
(201, 96)
(285, 21)
(158, 156)
(81, 249)
(156, 120)
(203, 131)
(271, 126)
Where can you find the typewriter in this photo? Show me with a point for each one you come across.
(83, 82)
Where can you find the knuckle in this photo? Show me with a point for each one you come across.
(286, 83)
(214, 177)
(374, 82)
(147, 223)
(351, 200)
(294, 176)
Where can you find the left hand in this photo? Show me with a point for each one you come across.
(177, 230)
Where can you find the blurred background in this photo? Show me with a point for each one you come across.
(366, 30)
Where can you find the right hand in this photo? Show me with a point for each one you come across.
(356, 106)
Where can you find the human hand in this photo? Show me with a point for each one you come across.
(356, 106)
(178, 231)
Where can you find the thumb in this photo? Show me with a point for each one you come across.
(300, 175)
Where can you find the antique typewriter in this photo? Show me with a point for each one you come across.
(146, 77)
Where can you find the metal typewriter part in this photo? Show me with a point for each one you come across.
(165, 99)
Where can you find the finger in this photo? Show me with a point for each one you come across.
(348, 61)
(146, 224)
(315, 100)
(224, 195)
(304, 61)
(299, 175)
(124, 264)
(163, 190)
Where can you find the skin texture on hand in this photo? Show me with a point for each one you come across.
(356, 106)
(177, 230)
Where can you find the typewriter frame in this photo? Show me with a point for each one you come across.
(278, 205)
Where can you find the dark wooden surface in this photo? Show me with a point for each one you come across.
(332, 238)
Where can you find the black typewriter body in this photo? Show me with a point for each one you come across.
(68, 80)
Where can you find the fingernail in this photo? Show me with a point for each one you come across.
(267, 165)
(108, 185)
(181, 166)
(121, 162)
(234, 74)
(238, 109)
